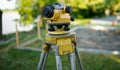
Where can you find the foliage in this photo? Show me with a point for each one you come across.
(92, 8)
(30, 9)
(114, 5)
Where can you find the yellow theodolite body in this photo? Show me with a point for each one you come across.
(58, 37)
(58, 19)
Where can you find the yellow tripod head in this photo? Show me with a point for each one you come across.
(58, 18)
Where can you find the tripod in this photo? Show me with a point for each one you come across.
(63, 45)
(59, 38)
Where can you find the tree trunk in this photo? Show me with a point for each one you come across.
(0, 23)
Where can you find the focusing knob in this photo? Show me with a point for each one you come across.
(68, 9)
(48, 11)
(72, 18)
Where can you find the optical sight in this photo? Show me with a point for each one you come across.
(58, 17)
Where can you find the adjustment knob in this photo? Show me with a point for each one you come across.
(72, 18)
(68, 9)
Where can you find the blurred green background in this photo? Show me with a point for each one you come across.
(29, 10)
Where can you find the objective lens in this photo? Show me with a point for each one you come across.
(48, 11)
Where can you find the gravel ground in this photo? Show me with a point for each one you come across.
(98, 39)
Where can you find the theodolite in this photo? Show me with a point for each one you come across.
(59, 37)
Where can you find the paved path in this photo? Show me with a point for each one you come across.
(98, 39)
(97, 51)
(93, 39)
(110, 20)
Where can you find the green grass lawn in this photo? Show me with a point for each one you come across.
(14, 59)
(23, 37)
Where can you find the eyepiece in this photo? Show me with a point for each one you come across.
(48, 11)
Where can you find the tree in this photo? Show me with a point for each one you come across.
(0, 23)
(29, 10)
(113, 5)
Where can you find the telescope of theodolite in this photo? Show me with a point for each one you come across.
(58, 18)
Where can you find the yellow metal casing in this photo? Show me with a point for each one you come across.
(59, 32)
(60, 16)
(65, 46)
(64, 43)
(50, 40)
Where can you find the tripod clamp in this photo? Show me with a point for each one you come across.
(63, 41)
